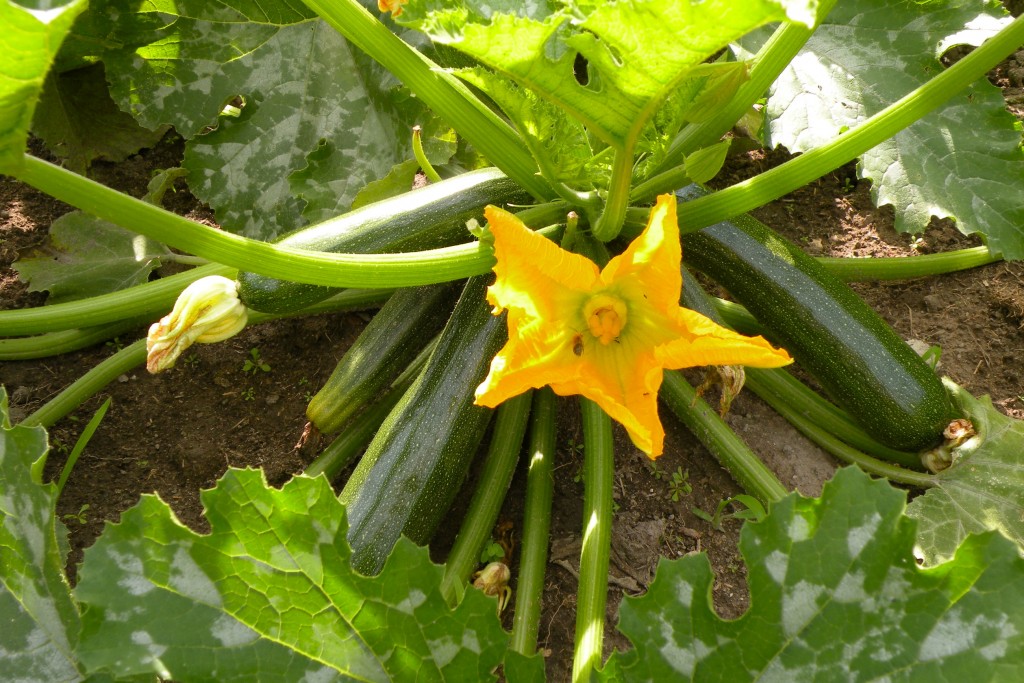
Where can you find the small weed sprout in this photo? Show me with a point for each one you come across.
(254, 363)
(679, 485)
(751, 510)
(81, 517)
(249, 394)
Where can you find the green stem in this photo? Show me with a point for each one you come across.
(65, 341)
(831, 443)
(901, 268)
(610, 223)
(421, 156)
(489, 494)
(773, 57)
(441, 91)
(731, 452)
(87, 385)
(134, 355)
(789, 389)
(801, 170)
(533, 551)
(80, 445)
(592, 592)
(149, 300)
(818, 411)
(297, 265)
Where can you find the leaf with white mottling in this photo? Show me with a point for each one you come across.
(270, 595)
(80, 123)
(982, 490)
(85, 256)
(961, 161)
(302, 88)
(29, 40)
(636, 53)
(835, 594)
(38, 620)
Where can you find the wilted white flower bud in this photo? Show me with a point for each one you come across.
(207, 311)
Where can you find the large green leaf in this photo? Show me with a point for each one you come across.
(961, 161)
(636, 52)
(982, 490)
(38, 620)
(32, 33)
(308, 101)
(835, 594)
(85, 256)
(80, 123)
(269, 595)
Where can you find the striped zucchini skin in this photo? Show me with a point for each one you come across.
(417, 462)
(396, 334)
(426, 218)
(858, 359)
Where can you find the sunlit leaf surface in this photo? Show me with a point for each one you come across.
(835, 594)
(269, 595)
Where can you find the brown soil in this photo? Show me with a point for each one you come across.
(176, 433)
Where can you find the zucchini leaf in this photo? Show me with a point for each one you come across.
(262, 92)
(835, 594)
(85, 256)
(269, 595)
(33, 31)
(962, 161)
(635, 53)
(79, 122)
(982, 490)
(40, 620)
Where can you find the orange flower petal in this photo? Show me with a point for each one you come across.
(546, 290)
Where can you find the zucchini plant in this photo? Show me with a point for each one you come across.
(586, 118)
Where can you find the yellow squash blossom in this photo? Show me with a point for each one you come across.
(393, 6)
(604, 334)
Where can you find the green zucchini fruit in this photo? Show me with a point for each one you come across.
(426, 218)
(414, 467)
(399, 330)
(831, 332)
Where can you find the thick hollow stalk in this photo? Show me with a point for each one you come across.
(592, 593)
(801, 170)
(711, 430)
(151, 299)
(297, 265)
(824, 437)
(614, 213)
(902, 268)
(65, 341)
(533, 550)
(788, 389)
(498, 468)
(440, 90)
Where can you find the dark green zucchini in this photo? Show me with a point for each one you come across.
(427, 218)
(831, 332)
(399, 331)
(413, 469)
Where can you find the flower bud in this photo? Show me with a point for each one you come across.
(207, 311)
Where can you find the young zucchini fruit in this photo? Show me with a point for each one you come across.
(427, 218)
(399, 330)
(831, 332)
(415, 465)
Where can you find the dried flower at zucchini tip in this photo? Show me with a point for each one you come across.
(604, 334)
(206, 311)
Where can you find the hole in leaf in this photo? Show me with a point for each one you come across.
(580, 69)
